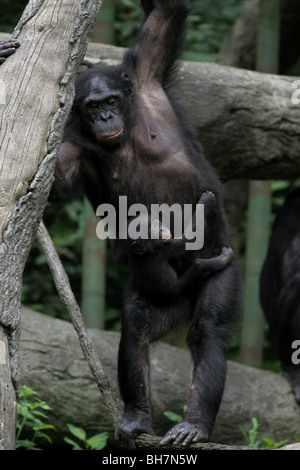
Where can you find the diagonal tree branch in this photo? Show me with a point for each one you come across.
(87, 344)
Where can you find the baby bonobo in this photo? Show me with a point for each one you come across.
(155, 267)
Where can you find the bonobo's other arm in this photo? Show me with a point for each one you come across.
(7, 48)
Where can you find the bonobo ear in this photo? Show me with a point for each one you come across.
(128, 87)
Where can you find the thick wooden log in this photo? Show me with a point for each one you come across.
(52, 363)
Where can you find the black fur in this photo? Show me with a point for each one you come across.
(162, 266)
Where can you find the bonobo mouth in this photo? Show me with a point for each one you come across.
(111, 137)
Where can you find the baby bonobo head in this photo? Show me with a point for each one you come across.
(157, 235)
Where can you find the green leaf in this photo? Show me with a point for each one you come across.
(77, 432)
(270, 444)
(173, 416)
(98, 442)
(29, 445)
(72, 443)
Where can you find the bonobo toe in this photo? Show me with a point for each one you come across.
(185, 434)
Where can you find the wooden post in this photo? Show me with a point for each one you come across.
(93, 272)
(267, 55)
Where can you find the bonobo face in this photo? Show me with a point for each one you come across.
(104, 108)
(158, 235)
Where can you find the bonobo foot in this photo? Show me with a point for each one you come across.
(206, 197)
(133, 423)
(7, 48)
(184, 433)
(227, 254)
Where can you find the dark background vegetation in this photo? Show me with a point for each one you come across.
(209, 25)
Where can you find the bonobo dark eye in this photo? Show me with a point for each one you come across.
(92, 105)
(111, 101)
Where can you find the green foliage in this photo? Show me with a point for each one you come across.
(128, 21)
(97, 442)
(31, 415)
(209, 24)
(252, 439)
(176, 418)
(173, 416)
(10, 14)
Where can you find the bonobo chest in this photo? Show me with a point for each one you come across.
(153, 165)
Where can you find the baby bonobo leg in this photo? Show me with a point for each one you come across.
(218, 263)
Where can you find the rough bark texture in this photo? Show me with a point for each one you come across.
(39, 94)
(53, 364)
(7, 397)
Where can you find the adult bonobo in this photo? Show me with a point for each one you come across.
(127, 135)
(280, 288)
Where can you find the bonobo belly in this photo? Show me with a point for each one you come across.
(148, 179)
(151, 188)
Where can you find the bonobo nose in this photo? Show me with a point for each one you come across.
(105, 116)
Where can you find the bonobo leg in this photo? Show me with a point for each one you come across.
(214, 318)
(133, 371)
(143, 322)
(213, 217)
(7, 48)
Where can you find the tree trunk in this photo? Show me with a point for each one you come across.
(52, 363)
(38, 80)
(7, 397)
